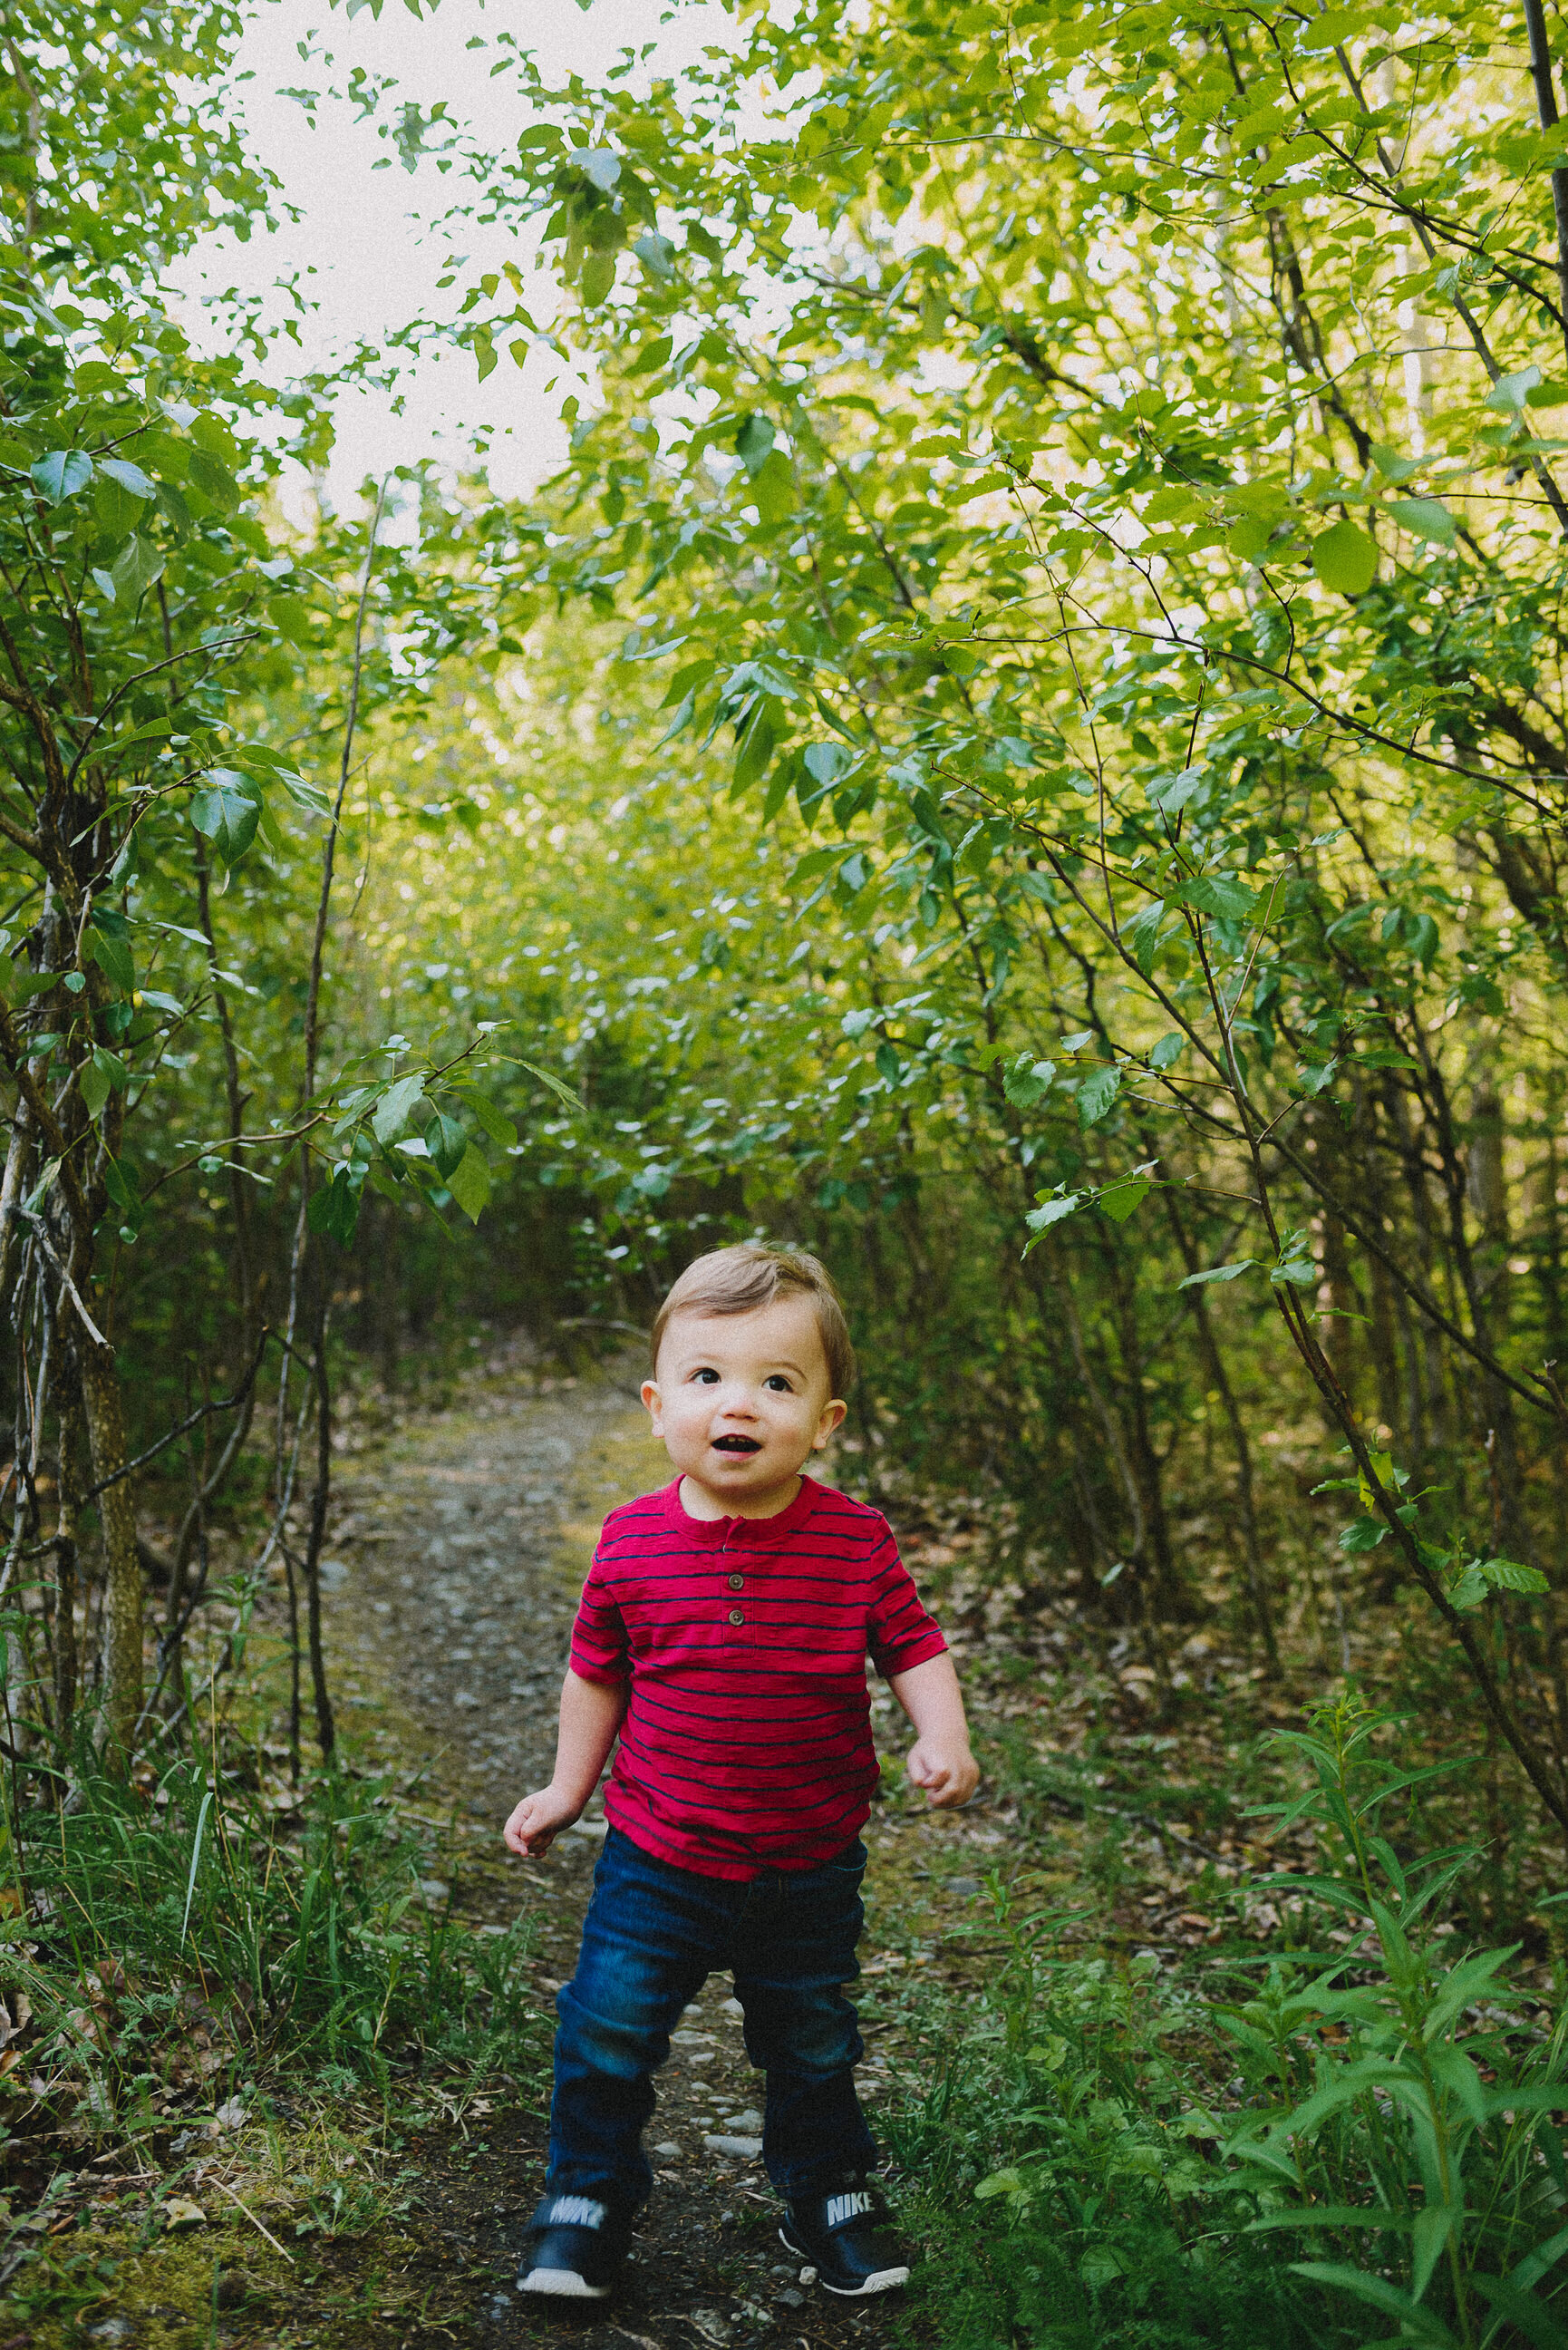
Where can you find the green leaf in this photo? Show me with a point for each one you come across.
(496, 1124)
(1168, 1051)
(827, 763)
(1221, 894)
(61, 475)
(1344, 559)
(1219, 1273)
(1391, 466)
(655, 254)
(1432, 2229)
(469, 1183)
(291, 618)
(130, 478)
(214, 481)
(1507, 1574)
(1362, 1534)
(117, 512)
(227, 810)
(112, 954)
(1510, 393)
(562, 1092)
(390, 1121)
(120, 1182)
(755, 753)
(1027, 1082)
(1050, 1212)
(1426, 518)
(773, 489)
(1097, 1094)
(1122, 1198)
(334, 1209)
(1466, 1590)
(136, 567)
(94, 1087)
(446, 1142)
(752, 442)
(597, 278)
(1420, 2324)
(1141, 935)
(1523, 2310)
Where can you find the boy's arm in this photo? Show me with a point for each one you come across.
(591, 1714)
(940, 1761)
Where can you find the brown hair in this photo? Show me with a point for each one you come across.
(737, 1279)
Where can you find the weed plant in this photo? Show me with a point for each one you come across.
(169, 1942)
(1109, 2162)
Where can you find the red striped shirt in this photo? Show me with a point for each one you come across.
(746, 1743)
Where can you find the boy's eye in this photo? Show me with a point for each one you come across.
(777, 1381)
(707, 1378)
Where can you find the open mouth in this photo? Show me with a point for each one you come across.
(736, 1444)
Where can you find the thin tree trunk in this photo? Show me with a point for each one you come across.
(326, 1730)
(1219, 1379)
(66, 1553)
(104, 1409)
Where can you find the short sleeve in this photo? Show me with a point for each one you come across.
(902, 1630)
(600, 1645)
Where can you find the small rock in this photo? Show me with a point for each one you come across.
(809, 2276)
(668, 2149)
(791, 2298)
(113, 2329)
(465, 1699)
(710, 2325)
(747, 2122)
(180, 2211)
(231, 2114)
(965, 1887)
(732, 2007)
(743, 2149)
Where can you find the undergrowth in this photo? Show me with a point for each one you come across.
(1318, 2150)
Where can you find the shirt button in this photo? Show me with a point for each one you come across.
(737, 1583)
(736, 1617)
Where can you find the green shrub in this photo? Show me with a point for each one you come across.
(1110, 2160)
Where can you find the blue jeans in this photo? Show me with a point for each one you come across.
(652, 1935)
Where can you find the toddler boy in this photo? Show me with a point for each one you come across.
(722, 1636)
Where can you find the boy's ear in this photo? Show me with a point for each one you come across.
(834, 1416)
(651, 1400)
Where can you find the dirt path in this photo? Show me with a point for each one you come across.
(460, 1553)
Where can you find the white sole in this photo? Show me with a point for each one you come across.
(879, 2281)
(562, 2284)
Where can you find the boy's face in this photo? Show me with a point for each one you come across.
(742, 1401)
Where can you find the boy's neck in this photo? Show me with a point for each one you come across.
(697, 1502)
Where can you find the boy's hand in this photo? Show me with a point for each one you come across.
(538, 1821)
(947, 1772)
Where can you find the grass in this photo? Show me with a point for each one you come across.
(207, 1951)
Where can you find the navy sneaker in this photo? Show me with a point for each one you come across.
(577, 2246)
(845, 2237)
